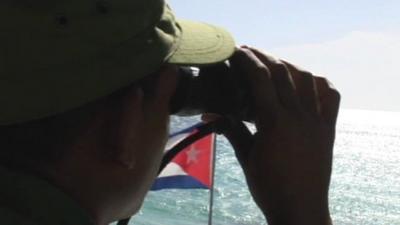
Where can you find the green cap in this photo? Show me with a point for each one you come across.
(58, 55)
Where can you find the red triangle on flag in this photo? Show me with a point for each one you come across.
(196, 159)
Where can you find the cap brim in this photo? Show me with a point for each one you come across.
(202, 44)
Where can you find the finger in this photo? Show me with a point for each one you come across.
(263, 91)
(241, 140)
(329, 99)
(282, 78)
(305, 88)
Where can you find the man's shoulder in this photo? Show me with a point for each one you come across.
(29, 200)
(11, 217)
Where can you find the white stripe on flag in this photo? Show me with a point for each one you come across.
(172, 169)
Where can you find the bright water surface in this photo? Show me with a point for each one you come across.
(365, 187)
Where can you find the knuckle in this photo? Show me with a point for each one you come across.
(245, 51)
(323, 80)
(307, 75)
(335, 93)
(332, 91)
(280, 68)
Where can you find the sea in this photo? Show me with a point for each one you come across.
(365, 185)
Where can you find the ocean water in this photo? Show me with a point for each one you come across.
(365, 186)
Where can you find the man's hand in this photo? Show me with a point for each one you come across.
(288, 161)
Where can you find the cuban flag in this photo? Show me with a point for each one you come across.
(192, 167)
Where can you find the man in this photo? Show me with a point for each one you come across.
(81, 140)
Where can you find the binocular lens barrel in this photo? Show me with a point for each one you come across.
(214, 89)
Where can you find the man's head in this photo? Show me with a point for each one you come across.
(104, 154)
(57, 56)
(73, 110)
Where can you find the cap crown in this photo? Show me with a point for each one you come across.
(56, 55)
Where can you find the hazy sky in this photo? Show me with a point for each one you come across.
(354, 43)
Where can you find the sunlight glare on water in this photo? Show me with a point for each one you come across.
(365, 186)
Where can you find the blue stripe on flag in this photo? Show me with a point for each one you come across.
(177, 182)
(186, 130)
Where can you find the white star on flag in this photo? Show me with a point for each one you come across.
(192, 155)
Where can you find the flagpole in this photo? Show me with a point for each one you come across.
(211, 202)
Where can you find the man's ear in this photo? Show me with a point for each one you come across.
(124, 125)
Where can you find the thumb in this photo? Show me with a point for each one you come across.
(241, 140)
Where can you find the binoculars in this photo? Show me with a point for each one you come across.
(219, 88)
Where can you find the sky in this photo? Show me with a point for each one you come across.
(354, 43)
